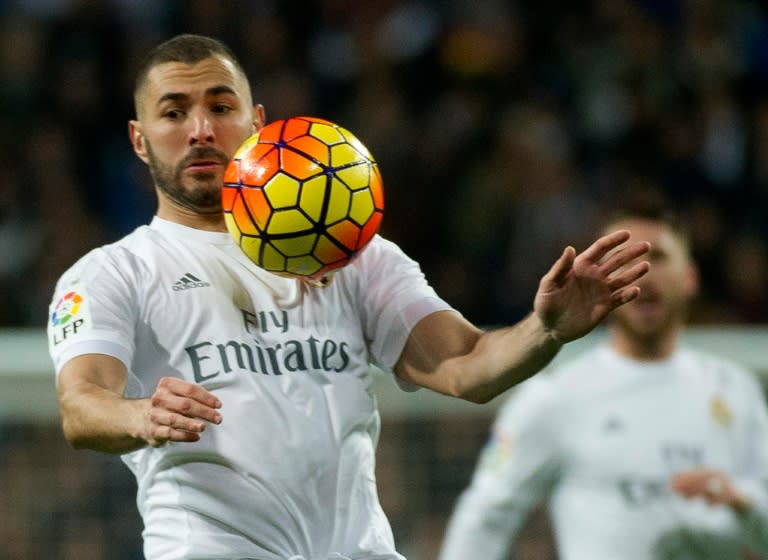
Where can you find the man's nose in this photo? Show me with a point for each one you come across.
(202, 130)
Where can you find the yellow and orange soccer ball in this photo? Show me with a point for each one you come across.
(302, 197)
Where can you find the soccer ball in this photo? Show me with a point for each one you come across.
(302, 197)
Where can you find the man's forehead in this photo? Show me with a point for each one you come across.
(639, 224)
(210, 75)
(197, 76)
(661, 235)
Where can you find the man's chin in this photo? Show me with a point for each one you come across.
(204, 207)
(207, 205)
(649, 327)
(210, 211)
(642, 321)
(206, 197)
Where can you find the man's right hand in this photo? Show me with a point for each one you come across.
(96, 415)
(178, 411)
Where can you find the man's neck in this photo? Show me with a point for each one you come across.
(647, 349)
(205, 222)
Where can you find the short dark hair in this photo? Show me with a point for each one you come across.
(186, 48)
(652, 209)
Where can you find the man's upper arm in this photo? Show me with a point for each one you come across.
(94, 413)
(99, 370)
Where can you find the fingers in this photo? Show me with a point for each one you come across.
(559, 271)
(687, 483)
(605, 245)
(160, 434)
(620, 297)
(608, 253)
(610, 257)
(182, 388)
(628, 276)
(179, 411)
(624, 256)
(709, 484)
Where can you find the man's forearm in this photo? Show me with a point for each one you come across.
(505, 357)
(96, 418)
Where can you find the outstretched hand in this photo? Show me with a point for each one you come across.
(580, 290)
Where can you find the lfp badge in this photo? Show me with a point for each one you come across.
(67, 316)
(66, 308)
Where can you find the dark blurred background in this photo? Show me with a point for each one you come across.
(504, 131)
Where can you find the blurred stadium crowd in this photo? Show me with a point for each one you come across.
(504, 131)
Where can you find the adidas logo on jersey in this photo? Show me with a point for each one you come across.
(189, 281)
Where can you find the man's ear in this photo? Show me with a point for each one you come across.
(692, 280)
(259, 117)
(137, 140)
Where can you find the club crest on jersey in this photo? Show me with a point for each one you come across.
(720, 411)
(69, 316)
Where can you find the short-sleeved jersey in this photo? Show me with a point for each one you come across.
(289, 473)
(600, 438)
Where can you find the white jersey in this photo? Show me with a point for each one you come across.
(600, 438)
(289, 473)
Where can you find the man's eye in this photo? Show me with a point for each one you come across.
(221, 109)
(173, 114)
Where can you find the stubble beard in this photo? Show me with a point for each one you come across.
(651, 332)
(203, 196)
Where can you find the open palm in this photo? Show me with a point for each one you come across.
(580, 290)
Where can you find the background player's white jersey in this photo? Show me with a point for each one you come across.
(601, 437)
(289, 473)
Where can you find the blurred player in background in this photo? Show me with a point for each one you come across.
(642, 448)
(242, 400)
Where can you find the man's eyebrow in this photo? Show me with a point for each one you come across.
(218, 90)
(172, 97)
(179, 97)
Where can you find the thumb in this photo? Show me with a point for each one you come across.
(555, 277)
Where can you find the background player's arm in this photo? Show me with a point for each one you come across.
(96, 415)
(745, 491)
(717, 488)
(516, 471)
(446, 353)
